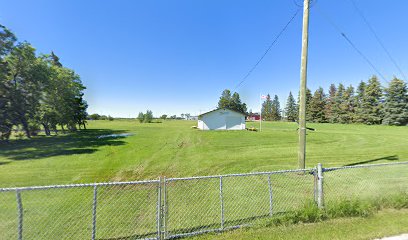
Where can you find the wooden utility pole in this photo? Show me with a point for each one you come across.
(303, 80)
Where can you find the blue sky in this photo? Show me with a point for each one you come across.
(177, 56)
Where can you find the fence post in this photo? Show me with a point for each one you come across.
(159, 210)
(315, 184)
(320, 192)
(164, 207)
(95, 199)
(270, 195)
(222, 204)
(20, 214)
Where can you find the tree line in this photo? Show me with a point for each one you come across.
(369, 103)
(271, 110)
(96, 116)
(36, 90)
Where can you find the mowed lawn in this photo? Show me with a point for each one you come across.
(174, 149)
(387, 222)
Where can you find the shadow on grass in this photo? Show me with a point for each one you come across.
(81, 142)
(388, 158)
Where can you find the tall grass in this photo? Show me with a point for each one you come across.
(310, 213)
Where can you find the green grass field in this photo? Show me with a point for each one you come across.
(173, 149)
(386, 223)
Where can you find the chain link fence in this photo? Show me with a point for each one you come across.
(178, 207)
(215, 203)
(365, 182)
(117, 210)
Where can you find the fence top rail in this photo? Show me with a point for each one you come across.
(310, 170)
(77, 185)
(242, 174)
(365, 166)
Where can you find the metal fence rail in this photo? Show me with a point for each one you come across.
(178, 207)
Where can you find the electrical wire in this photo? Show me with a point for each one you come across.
(331, 22)
(267, 50)
(377, 38)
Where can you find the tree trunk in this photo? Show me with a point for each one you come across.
(54, 128)
(72, 127)
(46, 129)
(25, 127)
(6, 133)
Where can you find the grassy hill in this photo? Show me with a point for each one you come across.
(174, 149)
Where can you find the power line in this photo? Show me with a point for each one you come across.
(331, 22)
(377, 38)
(267, 50)
(363, 56)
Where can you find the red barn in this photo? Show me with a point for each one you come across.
(253, 117)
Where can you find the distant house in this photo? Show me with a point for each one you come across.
(253, 117)
(221, 119)
(192, 118)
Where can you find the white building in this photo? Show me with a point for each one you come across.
(221, 119)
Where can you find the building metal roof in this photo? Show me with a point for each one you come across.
(220, 109)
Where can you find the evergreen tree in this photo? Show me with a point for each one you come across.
(291, 109)
(359, 110)
(267, 108)
(55, 60)
(396, 103)
(236, 103)
(330, 103)
(371, 104)
(225, 99)
(336, 110)
(347, 106)
(275, 109)
(231, 102)
(317, 106)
